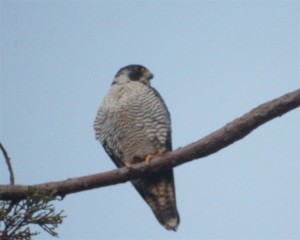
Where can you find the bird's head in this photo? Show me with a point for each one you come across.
(136, 73)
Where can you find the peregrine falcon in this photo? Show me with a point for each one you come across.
(133, 124)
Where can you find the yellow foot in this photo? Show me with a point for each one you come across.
(128, 165)
(151, 156)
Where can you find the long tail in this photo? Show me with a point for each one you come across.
(159, 192)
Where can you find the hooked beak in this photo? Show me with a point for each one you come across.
(151, 76)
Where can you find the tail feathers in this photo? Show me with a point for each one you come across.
(168, 217)
(159, 192)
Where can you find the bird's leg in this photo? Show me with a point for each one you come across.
(150, 156)
(161, 151)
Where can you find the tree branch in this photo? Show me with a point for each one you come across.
(210, 144)
(10, 169)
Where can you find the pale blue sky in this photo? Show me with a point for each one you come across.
(212, 61)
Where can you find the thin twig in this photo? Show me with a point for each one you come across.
(10, 169)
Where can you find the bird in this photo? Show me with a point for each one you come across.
(133, 124)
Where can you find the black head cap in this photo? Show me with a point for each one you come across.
(135, 72)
